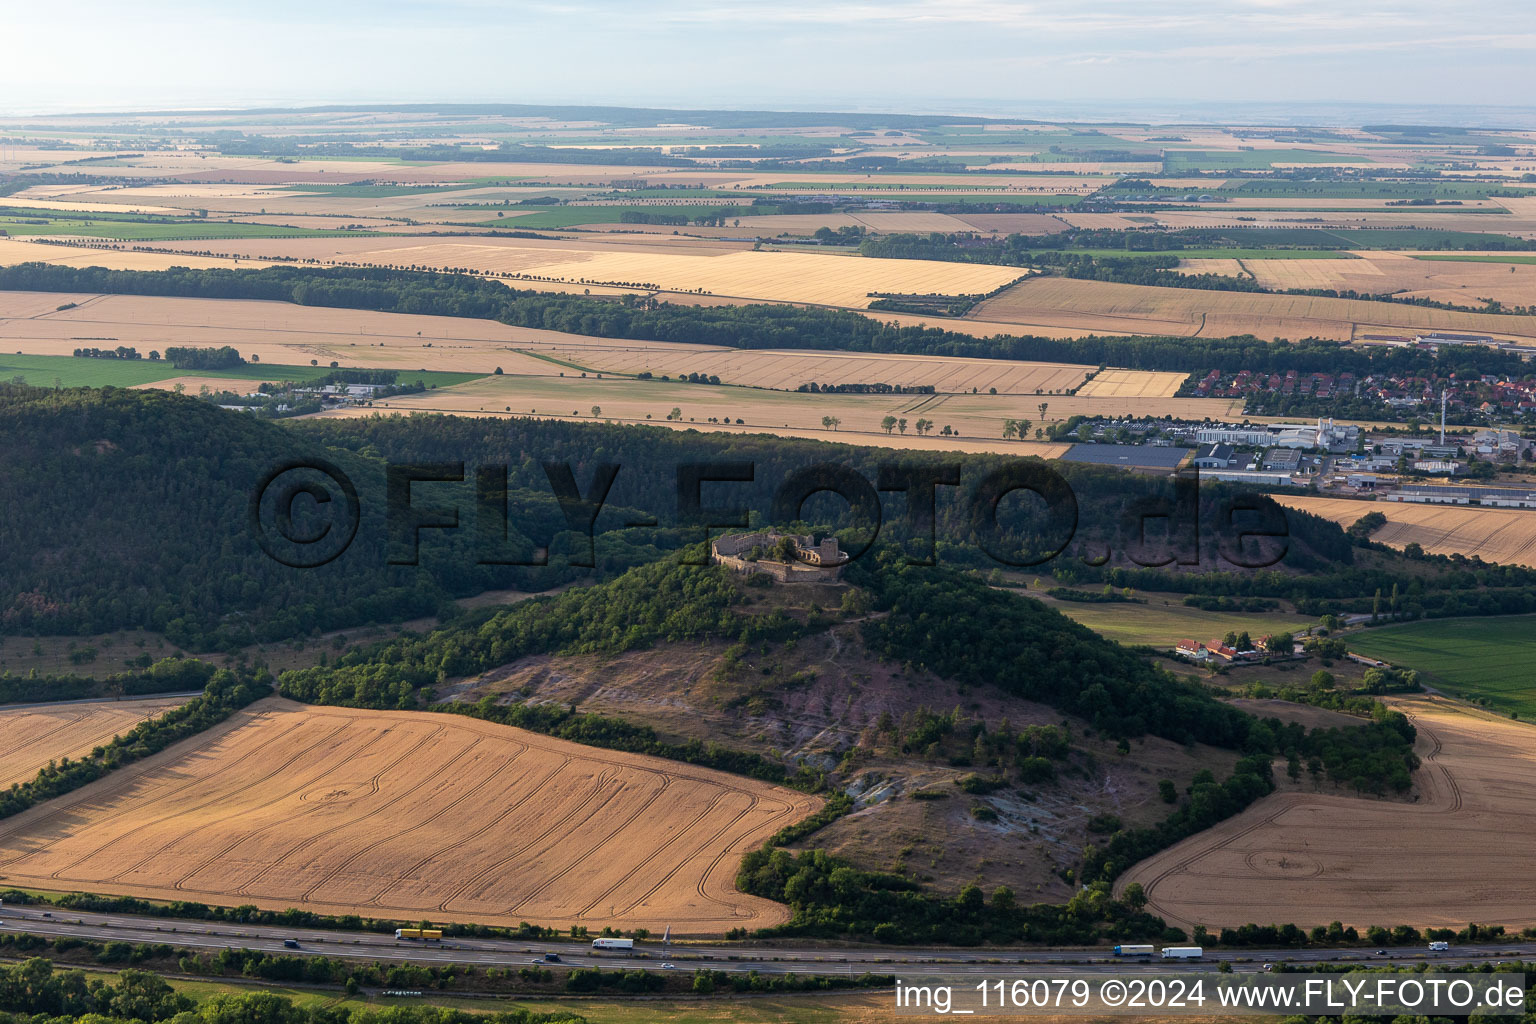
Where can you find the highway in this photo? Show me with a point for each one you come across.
(792, 958)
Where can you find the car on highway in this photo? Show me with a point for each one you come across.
(1381, 952)
(290, 943)
(1269, 967)
(668, 967)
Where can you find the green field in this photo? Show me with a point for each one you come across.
(72, 372)
(1486, 660)
(1249, 159)
(128, 229)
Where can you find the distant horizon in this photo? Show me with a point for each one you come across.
(1159, 111)
(957, 55)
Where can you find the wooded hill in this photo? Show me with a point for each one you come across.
(132, 509)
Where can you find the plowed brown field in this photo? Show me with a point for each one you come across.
(409, 815)
(31, 737)
(1460, 853)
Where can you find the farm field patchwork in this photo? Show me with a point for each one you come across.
(1310, 858)
(1503, 535)
(1108, 308)
(1461, 282)
(975, 417)
(31, 737)
(352, 811)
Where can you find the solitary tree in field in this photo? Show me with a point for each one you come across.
(1010, 429)
(888, 424)
(597, 410)
(1043, 406)
(901, 425)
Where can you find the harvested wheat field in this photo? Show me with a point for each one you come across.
(13, 251)
(30, 737)
(1503, 535)
(787, 369)
(1463, 282)
(1132, 384)
(1107, 308)
(1307, 858)
(411, 815)
(790, 277)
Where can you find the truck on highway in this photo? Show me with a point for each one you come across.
(1439, 947)
(423, 934)
(621, 944)
(1135, 950)
(1183, 952)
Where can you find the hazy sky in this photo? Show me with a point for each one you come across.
(957, 55)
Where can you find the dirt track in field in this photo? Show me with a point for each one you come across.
(411, 815)
(31, 737)
(1460, 853)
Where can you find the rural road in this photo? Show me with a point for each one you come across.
(766, 960)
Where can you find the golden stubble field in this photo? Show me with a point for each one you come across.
(1107, 308)
(30, 737)
(13, 251)
(782, 276)
(1503, 535)
(411, 815)
(1462, 282)
(1460, 853)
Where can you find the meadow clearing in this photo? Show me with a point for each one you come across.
(1474, 659)
(1109, 308)
(1164, 621)
(1503, 535)
(1309, 858)
(32, 737)
(411, 815)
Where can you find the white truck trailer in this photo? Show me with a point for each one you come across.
(625, 945)
(1183, 952)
